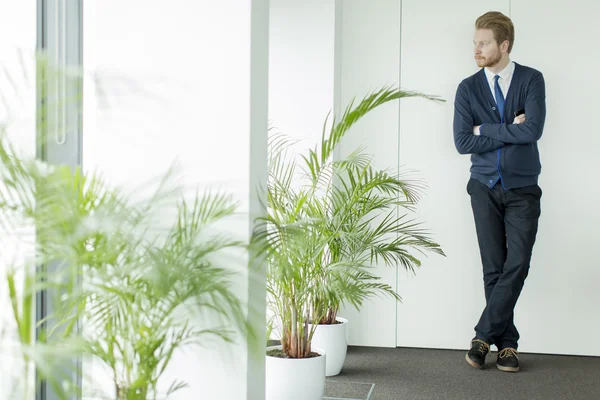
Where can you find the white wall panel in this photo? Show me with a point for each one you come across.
(560, 298)
(370, 58)
(443, 301)
(559, 304)
(301, 66)
(301, 74)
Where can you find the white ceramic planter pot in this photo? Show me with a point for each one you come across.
(333, 339)
(295, 379)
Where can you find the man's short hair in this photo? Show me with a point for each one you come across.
(500, 25)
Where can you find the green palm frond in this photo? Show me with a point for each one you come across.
(322, 238)
(170, 285)
(351, 115)
(145, 294)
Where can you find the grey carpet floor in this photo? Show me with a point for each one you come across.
(423, 374)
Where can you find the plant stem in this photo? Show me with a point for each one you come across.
(28, 388)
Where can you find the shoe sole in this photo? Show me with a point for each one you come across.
(507, 369)
(471, 362)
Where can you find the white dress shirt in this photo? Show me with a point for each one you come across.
(504, 81)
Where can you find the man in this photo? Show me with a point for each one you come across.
(499, 117)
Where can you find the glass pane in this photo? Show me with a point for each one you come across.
(168, 83)
(18, 21)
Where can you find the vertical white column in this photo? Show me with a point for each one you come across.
(257, 180)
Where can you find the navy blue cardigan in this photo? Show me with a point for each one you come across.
(504, 152)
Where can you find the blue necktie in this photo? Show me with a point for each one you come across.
(499, 98)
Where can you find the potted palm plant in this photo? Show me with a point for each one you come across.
(26, 356)
(139, 278)
(157, 294)
(315, 239)
(363, 229)
(140, 292)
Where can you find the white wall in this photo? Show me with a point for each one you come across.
(442, 303)
(560, 301)
(301, 62)
(444, 300)
(191, 64)
(301, 74)
(370, 58)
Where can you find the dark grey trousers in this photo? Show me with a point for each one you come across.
(506, 222)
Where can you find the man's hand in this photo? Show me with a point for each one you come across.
(520, 119)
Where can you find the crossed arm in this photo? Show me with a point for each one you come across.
(488, 137)
(465, 140)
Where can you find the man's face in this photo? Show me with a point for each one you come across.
(487, 51)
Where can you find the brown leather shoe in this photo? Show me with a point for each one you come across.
(476, 355)
(508, 360)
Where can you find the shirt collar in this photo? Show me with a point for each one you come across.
(504, 74)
